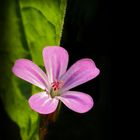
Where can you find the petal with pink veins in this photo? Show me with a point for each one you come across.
(79, 73)
(56, 61)
(77, 101)
(43, 103)
(30, 72)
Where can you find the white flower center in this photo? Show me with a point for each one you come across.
(56, 85)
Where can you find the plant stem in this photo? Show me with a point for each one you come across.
(43, 127)
(45, 120)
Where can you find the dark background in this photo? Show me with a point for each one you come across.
(87, 34)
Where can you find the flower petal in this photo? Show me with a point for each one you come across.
(77, 101)
(30, 72)
(43, 103)
(79, 73)
(56, 61)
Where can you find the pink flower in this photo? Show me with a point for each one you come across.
(56, 84)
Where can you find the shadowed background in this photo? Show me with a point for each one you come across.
(87, 33)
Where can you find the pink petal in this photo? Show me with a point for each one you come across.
(56, 61)
(77, 101)
(43, 103)
(30, 72)
(79, 73)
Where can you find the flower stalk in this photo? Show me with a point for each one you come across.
(46, 120)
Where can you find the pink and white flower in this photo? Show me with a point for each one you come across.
(57, 82)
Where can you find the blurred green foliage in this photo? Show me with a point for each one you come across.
(26, 27)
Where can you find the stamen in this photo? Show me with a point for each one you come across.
(56, 85)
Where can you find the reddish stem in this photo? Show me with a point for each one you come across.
(44, 122)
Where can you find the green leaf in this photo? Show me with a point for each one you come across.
(27, 27)
(43, 23)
